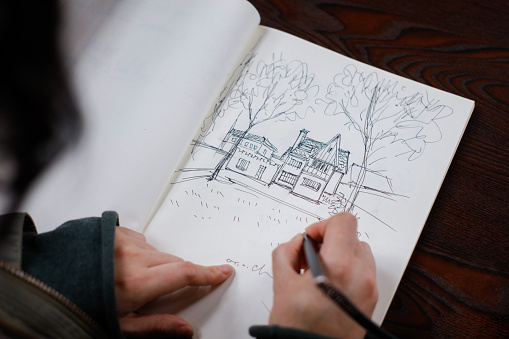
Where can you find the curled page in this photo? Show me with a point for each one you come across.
(145, 73)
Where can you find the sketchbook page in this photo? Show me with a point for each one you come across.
(303, 134)
(145, 80)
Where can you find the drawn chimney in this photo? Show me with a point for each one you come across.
(303, 133)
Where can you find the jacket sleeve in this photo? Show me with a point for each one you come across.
(76, 259)
(278, 332)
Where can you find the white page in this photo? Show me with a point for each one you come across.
(146, 73)
(242, 215)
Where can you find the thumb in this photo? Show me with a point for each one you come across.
(155, 326)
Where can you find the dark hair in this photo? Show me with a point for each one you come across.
(38, 117)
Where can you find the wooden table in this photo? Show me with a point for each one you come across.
(457, 282)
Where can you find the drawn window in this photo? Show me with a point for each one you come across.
(320, 166)
(288, 178)
(315, 186)
(295, 163)
(261, 169)
(242, 164)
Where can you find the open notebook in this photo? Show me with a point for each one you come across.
(220, 139)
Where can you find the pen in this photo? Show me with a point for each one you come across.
(318, 272)
(314, 263)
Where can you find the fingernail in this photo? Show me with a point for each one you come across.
(185, 330)
(226, 269)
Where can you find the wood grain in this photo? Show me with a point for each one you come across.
(457, 282)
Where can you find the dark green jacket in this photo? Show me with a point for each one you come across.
(58, 284)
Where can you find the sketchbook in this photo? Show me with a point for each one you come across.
(220, 139)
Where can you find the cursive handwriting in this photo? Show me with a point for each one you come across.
(260, 269)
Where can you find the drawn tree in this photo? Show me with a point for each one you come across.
(390, 119)
(267, 91)
(209, 122)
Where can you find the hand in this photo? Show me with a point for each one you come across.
(349, 266)
(142, 274)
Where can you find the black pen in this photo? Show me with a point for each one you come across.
(314, 263)
(318, 272)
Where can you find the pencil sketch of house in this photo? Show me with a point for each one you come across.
(308, 169)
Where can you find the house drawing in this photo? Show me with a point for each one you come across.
(253, 157)
(308, 169)
(311, 167)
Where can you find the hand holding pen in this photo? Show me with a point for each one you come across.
(348, 265)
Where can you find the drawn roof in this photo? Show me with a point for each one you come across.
(373, 181)
(329, 152)
(253, 137)
(307, 147)
(332, 154)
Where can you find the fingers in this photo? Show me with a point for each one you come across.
(286, 259)
(338, 234)
(130, 233)
(132, 246)
(129, 255)
(156, 258)
(367, 256)
(344, 255)
(164, 279)
(143, 273)
(155, 326)
(346, 220)
(123, 235)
